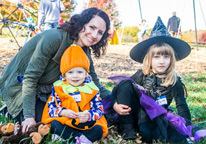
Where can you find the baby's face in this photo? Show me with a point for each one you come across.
(76, 76)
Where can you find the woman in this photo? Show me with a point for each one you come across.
(26, 82)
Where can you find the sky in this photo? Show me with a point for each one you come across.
(130, 12)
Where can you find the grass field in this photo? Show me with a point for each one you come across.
(196, 88)
(117, 61)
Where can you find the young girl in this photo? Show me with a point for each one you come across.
(160, 82)
(74, 107)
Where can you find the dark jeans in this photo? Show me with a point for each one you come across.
(93, 134)
(38, 112)
(39, 109)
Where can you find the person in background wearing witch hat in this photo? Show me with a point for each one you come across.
(160, 82)
(74, 109)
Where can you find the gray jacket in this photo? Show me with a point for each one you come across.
(38, 63)
(49, 11)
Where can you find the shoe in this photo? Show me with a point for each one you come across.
(128, 132)
(57, 138)
(82, 140)
(189, 141)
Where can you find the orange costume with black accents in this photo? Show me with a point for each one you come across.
(74, 56)
(69, 103)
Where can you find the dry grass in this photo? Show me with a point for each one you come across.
(115, 61)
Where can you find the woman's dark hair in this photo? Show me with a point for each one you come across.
(77, 22)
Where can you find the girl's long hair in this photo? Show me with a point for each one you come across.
(77, 22)
(162, 49)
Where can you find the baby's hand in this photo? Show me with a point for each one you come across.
(69, 113)
(84, 116)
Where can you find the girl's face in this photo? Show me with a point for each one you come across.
(92, 32)
(160, 63)
(76, 76)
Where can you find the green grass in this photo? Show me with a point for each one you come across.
(196, 89)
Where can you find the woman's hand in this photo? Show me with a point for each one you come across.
(84, 116)
(69, 113)
(27, 123)
(121, 109)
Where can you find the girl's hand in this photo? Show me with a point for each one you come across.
(27, 123)
(84, 116)
(121, 109)
(192, 139)
(69, 113)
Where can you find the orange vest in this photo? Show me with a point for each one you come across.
(69, 103)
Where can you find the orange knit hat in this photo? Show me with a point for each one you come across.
(74, 56)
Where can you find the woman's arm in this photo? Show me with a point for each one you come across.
(44, 51)
(42, 56)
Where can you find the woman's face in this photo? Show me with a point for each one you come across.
(92, 32)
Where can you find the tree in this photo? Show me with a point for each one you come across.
(70, 6)
(108, 6)
(30, 8)
(26, 11)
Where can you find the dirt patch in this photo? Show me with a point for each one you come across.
(115, 62)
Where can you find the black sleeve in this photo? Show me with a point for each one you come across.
(138, 77)
(180, 100)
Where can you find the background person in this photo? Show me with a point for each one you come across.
(161, 83)
(27, 80)
(142, 30)
(173, 25)
(49, 14)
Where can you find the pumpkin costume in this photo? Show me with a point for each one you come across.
(63, 96)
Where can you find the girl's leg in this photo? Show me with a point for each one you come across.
(146, 132)
(94, 133)
(126, 95)
(153, 130)
(64, 131)
(174, 136)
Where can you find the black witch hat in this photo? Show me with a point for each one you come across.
(160, 34)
